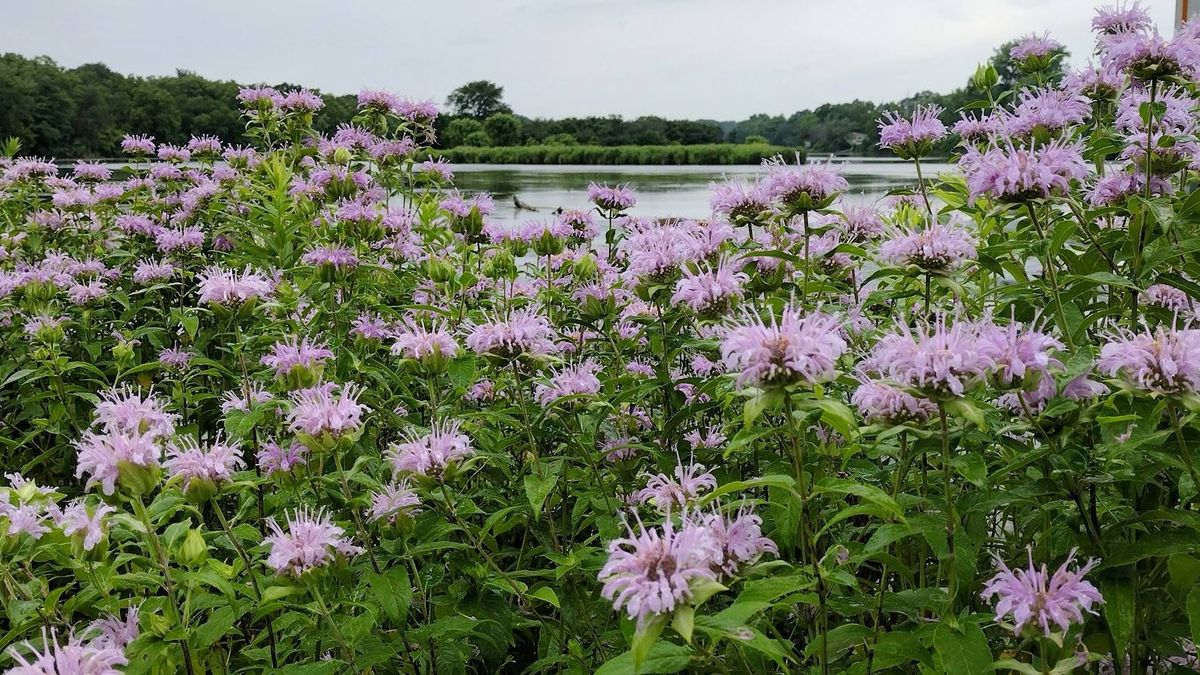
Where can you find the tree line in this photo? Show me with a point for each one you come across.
(84, 111)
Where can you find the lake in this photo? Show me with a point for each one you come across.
(662, 191)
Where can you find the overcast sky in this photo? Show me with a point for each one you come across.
(715, 59)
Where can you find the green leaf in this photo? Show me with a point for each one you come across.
(644, 639)
(393, 590)
(964, 653)
(547, 594)
(273, 593)
(1119, 611)
(462, 370)
(663, 657)
(537, 489)
(216, 627)
(839, 639)
(972, 467)
(1193, 613)
(966, 409)
(683, 621)
(1013, 664)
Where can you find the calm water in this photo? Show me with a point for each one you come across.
(675, 191)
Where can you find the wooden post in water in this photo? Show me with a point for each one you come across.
(1186, 10)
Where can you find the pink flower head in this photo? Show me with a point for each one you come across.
(245, 398)
(113, 631)
(887, 404)
(1033, 597)
(429, 454)
(1167, 297)
(790, 348)
(611, 199)
(337, 257)
(523, 332)
(1023, 353)
(311, 541)
(301, 101)
(150, 271)
(740, 538)
(142, 146)
(174, 357)
(915, 136)
(294, 354)
(74, 657)
(101, 456)
(674, 493)
(804, 188)
(413, 340)
(656, 251)
(941, 359)
(127, 411)
(937, 247)
(1121, 18)
(739, 201)
(574, 380)
(1033, 50)
(1012, 174)
(191, 462)
(370, 327)
(221, 286)
(275, 458)
(861, 223)
(394, 501)
(709, 291)
(1045, 111)
(651, 572)
(326, 408)
(88, 524)
(1164, 362)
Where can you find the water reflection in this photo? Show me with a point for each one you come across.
(677, 191)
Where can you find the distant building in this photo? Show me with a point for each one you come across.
(1186, 10)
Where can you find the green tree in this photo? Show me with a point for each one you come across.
(479, 99)
(479, 139)
(504, 128)
(755, 140)
(458, 129)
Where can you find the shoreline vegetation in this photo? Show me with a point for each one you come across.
(709, 153)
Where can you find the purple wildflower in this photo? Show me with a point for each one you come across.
(1017, 174)
(611, 199)
(740, 538)
(524, 332)
(672, 494)
(569, 381)
(394, 501)
(1035, 598)
(912, 137)
(430, 454)
(295, 356)
(274, 458)
(938, 247)
(1164, 362)
(709, 291)
(650, 572)
(887, 404)
(790, 348)
(201, 466)
(311, 541)
(326, 409)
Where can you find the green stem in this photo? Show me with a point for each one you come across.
(160, 557)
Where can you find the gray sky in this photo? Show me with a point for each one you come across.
(717, 59)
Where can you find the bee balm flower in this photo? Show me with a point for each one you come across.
(1033, 597)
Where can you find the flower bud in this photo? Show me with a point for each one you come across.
(137, 479)
(193, 551)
